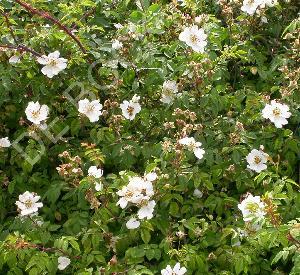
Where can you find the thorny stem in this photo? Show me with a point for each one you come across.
(23, 244)
(49, 17)
(21, 48)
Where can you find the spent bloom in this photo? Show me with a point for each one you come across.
(95, 172)
(193, 145)
(252, 208)
(194, 37)
(63, 262)
(4, 142)
(133, 223)
(36, 113)
(257, 160)
(131, 108)
(91, 109)
(53, 64)
(28, 203)
(277, 113)
(170, 91)
(176, 270)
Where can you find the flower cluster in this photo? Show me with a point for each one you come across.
(193, 145)
(168, 75)
(138, 192)
(176, 270)
(254, 6)
(96, 173)
(131, 108)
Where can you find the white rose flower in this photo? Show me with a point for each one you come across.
(28, 204)
(269, 3)
(198, 19)
(117, 45)
(264, 19)
(4, 142)
(198, 194)
(192, 145)
(36, 113)
(194, 37)
(95, 172)
(63, 262)
(43, 126)
(170, 91)
(135, 191)
(146, 211)
(53, 64)
(131, 108)
(14, 59)
(151, 176)
(98, 186)
(251, 6)
(133, 223)
(277, 113)
(252, 208)
(118, 26)
(176, 270)
(131, 27)
(257, 160)
(92, 109)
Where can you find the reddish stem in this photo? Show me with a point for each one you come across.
(21, 48)
(49, 17)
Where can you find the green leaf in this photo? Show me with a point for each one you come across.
(146, 236)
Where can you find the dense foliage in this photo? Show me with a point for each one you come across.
(140, 135)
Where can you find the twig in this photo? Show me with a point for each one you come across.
(292, 239)
(21, 48)
(53, 249)
(22, 244)
(85, 15)
(49, 17)
(10, 27)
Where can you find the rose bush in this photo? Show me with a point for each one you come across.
(149, 137)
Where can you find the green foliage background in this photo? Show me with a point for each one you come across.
(230, 83)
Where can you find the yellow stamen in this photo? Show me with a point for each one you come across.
(257, 159)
